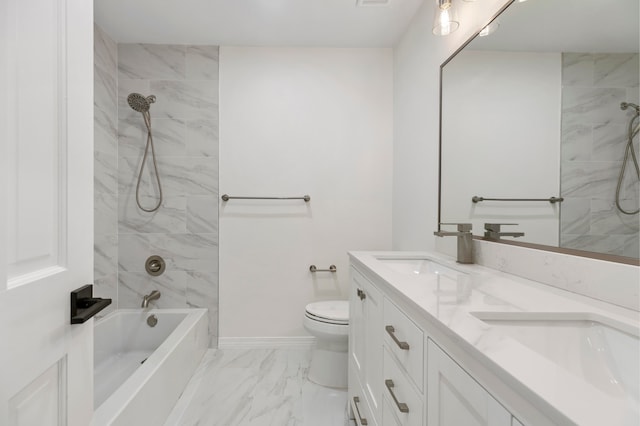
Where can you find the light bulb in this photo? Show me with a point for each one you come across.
(446, 20)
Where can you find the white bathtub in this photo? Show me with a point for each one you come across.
(140, 371)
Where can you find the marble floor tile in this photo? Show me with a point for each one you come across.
(257, 387)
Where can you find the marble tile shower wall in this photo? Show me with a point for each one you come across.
(105, 167)
(184, 231)
(594, 132)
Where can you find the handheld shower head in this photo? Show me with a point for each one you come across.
(625, 105)
(139, 103)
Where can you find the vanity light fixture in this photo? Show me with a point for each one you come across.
(446, 18)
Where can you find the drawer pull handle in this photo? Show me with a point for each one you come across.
(361, 294)
(402, 345)
(356, 400)
(404, 408)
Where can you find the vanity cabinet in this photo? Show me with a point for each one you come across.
(365, 348)
(399, 375)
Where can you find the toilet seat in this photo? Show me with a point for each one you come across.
(329, 311)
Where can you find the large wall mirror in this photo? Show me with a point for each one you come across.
(543, 107)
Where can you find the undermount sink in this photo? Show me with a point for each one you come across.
(604, 351)
(450, 286)
(419, 266)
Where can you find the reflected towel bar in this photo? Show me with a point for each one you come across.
(226, 197)
(551, 200)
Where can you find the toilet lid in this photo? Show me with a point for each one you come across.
(334, 311)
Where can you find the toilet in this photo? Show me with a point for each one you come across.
(328, 321)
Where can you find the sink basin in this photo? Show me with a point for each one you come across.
(602, 350)
(450, 286)
(419, 266)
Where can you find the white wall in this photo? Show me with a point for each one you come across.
(293, 122)
(516, 157)
(417, 59)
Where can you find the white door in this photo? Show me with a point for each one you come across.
(46, 210)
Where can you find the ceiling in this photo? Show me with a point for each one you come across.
(327, 23)
(566, 26)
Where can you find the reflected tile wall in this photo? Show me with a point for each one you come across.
(593, 144)
(184, 231)
(105, 168)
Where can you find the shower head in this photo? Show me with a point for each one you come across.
(625, 105)
(140, 103)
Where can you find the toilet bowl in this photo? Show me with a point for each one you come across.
(328, 321)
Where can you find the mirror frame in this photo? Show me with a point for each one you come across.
(553, 249)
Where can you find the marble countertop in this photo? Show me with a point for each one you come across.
(454, 304)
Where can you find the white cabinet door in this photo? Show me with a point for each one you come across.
(454, 398)
(46, 210)
(357, 325)
(373, 381)
(365, 338)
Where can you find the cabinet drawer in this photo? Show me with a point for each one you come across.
(400, 394)
(405, 340)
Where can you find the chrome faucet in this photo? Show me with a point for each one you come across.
(154, 295)
(492, 230)
(465, 240)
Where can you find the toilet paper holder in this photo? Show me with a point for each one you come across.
(313, 269)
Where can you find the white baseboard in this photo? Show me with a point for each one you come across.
(294, 342)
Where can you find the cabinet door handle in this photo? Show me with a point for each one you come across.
(361, 294)
(356, 400)
(404, 408)
(402, 345)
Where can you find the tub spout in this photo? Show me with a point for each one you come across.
(154, 295)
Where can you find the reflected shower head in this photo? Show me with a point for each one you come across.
(625, 105)
(139, 103)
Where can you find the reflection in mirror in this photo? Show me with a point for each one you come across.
(533, 111)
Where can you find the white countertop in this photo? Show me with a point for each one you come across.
(450, 305)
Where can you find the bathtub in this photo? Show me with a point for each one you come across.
(141, 371)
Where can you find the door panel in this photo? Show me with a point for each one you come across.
(46, 213)
(36, 135)
(41, 402)
(454, 398)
